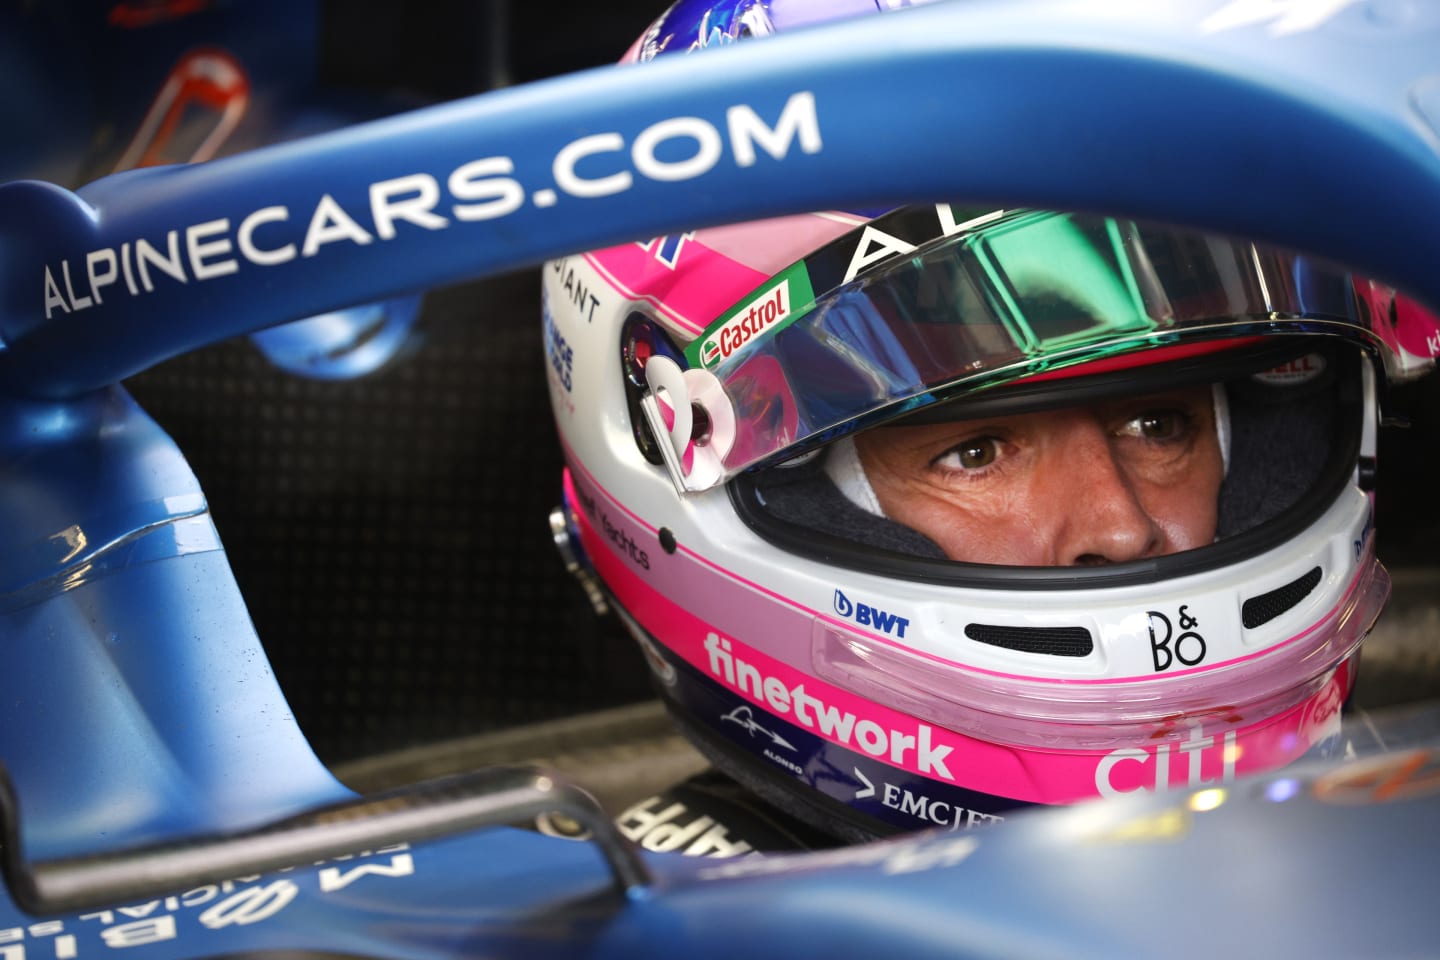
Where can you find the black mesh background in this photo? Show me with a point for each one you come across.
(390, 534)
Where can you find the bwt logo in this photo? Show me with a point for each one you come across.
(868, 616)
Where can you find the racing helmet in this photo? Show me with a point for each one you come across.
(924, 515)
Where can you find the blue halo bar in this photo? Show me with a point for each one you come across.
(1145, 110)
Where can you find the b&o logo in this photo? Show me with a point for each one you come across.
(1166, 648)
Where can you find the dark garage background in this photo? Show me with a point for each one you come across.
(391, 534)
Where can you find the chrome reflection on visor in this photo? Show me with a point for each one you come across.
(948, 303)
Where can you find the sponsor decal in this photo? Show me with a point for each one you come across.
(558, 350)
(766, 311)
(1166, 647)
(868, 616)
(674, 828)
(1153, 764)
(583, 298)
(666, 250)
(921, 805)
(901, 747)
(215, 906)
(894, 796)
(933, 812)
(599, 522)
(623, 542)
(836, 730)
(901, 233)
(1297, 371)
(744, 717)
(778, 302)
(483, 189)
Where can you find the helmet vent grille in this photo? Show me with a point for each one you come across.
(1267, 606)
(1051, 641)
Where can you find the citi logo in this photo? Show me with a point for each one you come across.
(868, 616)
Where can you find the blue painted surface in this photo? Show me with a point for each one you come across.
(1151, 117)
(136, 701)
(90, 70)
(1258, 869)
(342, 344)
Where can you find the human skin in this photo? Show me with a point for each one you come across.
(1117, 481)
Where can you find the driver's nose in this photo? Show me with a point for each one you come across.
(1104, 519)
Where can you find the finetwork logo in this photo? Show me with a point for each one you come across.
(833, 723)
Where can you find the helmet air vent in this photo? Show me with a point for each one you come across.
(1051, 641)
(1267, 606)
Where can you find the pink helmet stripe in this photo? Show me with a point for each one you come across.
(1042, 776)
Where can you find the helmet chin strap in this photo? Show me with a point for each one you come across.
(843, 467)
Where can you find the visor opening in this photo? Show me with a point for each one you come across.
(1293, 449)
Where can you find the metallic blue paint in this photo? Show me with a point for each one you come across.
(89, 74)
(136, 701)
(1050, 107)
(1255, 876)
(342, 344)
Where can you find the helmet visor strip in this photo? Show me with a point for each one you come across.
(929, 303)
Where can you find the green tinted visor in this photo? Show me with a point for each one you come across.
(929, 304)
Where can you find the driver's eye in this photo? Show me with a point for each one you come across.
(1158, 425)
(970, 455)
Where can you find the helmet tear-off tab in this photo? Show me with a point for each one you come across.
(695, 452)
